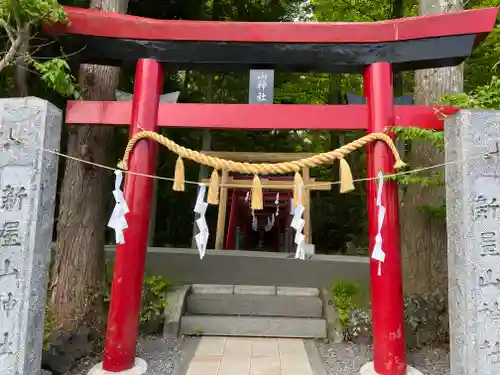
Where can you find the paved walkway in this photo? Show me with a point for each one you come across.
(249, 356)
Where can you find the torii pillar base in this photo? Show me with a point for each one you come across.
(139, 368)
(369, 369)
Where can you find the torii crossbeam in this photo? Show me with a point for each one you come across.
(374, 49)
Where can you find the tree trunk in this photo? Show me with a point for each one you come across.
(21, 67)
(424, 252)
(78, 275)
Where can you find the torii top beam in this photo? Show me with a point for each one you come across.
(407, 43)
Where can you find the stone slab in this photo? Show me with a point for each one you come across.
(335, 331)
(261, 290)
(254, 305)
(473, 224)
(253, 326)
(176, 301)
(302, 292)
(253, 267)
(315, 360)
(212, 289)
(28, 178)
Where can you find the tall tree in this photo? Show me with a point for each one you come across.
(423, 237)
(78, 273)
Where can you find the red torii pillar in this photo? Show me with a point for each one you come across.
(389, 355)
(125, 306)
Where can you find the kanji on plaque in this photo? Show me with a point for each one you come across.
(261, 87)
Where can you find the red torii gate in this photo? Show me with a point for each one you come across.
(374, 49)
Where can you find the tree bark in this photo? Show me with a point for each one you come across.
(424, 250)
(78, 275)
(21, 67)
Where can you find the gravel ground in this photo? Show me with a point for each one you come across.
(347, 358)
(163, 356)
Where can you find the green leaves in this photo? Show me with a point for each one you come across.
(154, 297)
(407, 179)
(436, 138)
(347, 297)
(56, 74)
(18, 18)
(484, 96)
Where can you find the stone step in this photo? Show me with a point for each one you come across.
(254, 305)
(253, 326)
(262, 290)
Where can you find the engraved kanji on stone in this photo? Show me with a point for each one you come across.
(5, 345)
(7, 271)
(8, 303)
(489, 244)
(493, 349)
(492, 309)
(12, 197)
(9, 234)
(489, 280)
(485, 208)
(15, 124)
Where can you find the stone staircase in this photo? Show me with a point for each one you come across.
(260, 311)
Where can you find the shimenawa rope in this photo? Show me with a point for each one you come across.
(257, 169)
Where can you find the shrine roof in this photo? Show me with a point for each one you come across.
(407, 43)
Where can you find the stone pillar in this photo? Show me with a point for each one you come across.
(28, 178)
(473, 223)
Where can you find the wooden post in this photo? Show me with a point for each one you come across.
(221, 216)
(231, 227)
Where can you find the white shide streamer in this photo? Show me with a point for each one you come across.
(298, 224)
(378, 253)
(201, 208)
(117, 220)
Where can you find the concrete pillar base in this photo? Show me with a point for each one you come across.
(368, 369)
(140, 368)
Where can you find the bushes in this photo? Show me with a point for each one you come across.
(426, 318)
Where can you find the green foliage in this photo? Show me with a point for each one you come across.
(31, 11)
(154, 293)
(436, 138)
(154, 298)
(18, 19)
(407, 179)
(57, 75)
(485, 96)
(347, 297)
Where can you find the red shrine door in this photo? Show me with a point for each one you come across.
(263, 230)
